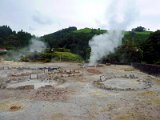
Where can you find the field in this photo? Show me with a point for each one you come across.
(75, 91)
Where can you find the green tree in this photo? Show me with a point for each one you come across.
(10, 39)
(151, 48)
(139, 29)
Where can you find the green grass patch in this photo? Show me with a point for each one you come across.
(53, 56)
(66, 56)
(89, 30)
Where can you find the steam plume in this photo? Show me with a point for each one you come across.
(36, 45)
(120, 14)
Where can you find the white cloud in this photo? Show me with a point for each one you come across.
(45, 16)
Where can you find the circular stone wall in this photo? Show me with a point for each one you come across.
(122, 84)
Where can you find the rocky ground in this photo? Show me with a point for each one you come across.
(72, 91)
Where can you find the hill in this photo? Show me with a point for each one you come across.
(10, 39)
(73, 39)
(136, 45)
(77, 40)
(138, 37)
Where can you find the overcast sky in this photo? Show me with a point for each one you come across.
(41, 17)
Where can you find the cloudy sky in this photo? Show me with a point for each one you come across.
(41, 17)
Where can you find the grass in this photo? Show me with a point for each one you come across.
(138, 37)
(148, 93)
(144, 33)
(89, 30)
(85, 30)
(99, 84)
(67, 56)
(55, 56)
(139, 33)
(123, 118)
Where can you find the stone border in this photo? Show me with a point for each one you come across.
(100, 84)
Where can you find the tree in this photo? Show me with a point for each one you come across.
(151, 48)
(127, 53)
(139, 29)
(10, 39)
(5, 31)
(73, 39)
(24, 38)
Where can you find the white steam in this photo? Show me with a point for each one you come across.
(35, 46)
(120, 15)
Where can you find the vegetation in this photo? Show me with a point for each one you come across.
(52, 56)
(151, 48)
(139, 38)
(73, 39)
(139, 29)
(13, 40)
(127, 53)
(70, 44)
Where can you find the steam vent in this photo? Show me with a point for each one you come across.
(79, 59)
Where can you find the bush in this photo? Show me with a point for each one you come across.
(47, 57)
(67, 56)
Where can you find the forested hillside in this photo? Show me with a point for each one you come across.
(10, 39)
(138, 45)
(73, 39)
(77, 41)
